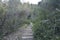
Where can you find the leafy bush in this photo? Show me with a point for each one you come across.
(46, 26)
(9, 21)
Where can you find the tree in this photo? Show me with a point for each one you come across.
(2, 19)
(49, 4)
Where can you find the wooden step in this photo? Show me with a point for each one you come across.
(24, 37)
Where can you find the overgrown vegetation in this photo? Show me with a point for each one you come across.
(13, 15)
(45, 18)
(46, 26)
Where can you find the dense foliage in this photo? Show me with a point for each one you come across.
(13, 15)
(47, 24)
(45, 18)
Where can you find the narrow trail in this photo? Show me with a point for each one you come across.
(23, 33)
(27, 33)
(16, 35)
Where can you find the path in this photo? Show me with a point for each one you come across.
(23, 33)
(27, 33)
(16, 35)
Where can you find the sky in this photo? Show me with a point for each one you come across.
(31, 1)
(5, 0)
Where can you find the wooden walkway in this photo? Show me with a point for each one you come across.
(27, 33)
(24, 33)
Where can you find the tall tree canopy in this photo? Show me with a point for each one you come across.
(50, 4)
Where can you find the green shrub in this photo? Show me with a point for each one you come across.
(46, 26)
